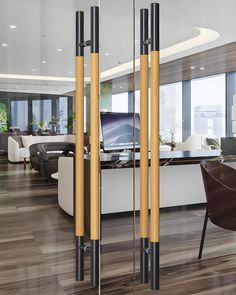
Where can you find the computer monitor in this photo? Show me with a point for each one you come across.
(228, 146)
(118, 131)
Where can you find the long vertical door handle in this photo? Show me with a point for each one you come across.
(144, 232)
(154, 172)
(94, 148)
(79, 158)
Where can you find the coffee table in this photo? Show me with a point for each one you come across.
(55, 176)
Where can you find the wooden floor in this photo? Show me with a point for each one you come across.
(37, 247)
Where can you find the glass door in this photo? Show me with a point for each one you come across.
(117, 102)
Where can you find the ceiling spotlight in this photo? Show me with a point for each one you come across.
(59, 49)
(202, 68)
(192, 68)
(107, 53)
(44, 62)
(13, 27)
(4, 45)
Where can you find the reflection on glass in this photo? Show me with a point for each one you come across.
(208, 106)
(19, 115)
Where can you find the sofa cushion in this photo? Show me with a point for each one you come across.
(24, 153)
(70, 138)
(56, 138)
(27, 140)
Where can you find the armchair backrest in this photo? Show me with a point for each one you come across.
(220, 188)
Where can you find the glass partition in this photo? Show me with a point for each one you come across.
(116, 101)
(39, 99)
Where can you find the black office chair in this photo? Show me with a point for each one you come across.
(44, 156)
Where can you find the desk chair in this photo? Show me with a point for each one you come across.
(220, 187)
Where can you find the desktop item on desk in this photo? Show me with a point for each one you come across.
(118, 131)
(228, 146)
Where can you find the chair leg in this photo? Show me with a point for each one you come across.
(203, 235)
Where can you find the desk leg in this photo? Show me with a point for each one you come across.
(24, 163)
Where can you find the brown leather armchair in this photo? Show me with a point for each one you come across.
(220, 188)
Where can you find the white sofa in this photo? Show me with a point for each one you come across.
(17, 153)
(165, 148)
(193, 143)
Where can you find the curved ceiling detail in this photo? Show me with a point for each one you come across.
(205, 36)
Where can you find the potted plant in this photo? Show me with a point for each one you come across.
(70, 124)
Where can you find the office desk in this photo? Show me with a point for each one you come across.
(180, 179)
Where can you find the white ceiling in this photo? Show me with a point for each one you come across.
(45, 25)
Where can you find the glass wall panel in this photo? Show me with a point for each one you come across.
(208, 106)
(19, 115)
(117, 196)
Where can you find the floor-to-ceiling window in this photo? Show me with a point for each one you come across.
(208, 106)
(19, 114)
(63, 114)
(171, 111)
(120, 102)
(41, 114)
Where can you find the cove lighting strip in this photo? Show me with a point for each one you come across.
(205, 36)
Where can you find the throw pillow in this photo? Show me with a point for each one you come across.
(214, 143)
(161, 141)
(19, 140)
(27, 140)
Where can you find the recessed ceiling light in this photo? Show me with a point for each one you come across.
(114, 87)
(85, 65)
(192, 68)
(33, 70)
(121, 87)
(202, 68)
(13, 27)
(44, 62)
(107, 53)
(136, 40)
(70, 73)
(4, 45)
(59, 49)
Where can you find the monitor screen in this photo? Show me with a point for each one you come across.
(228, 146)
(118, 131)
